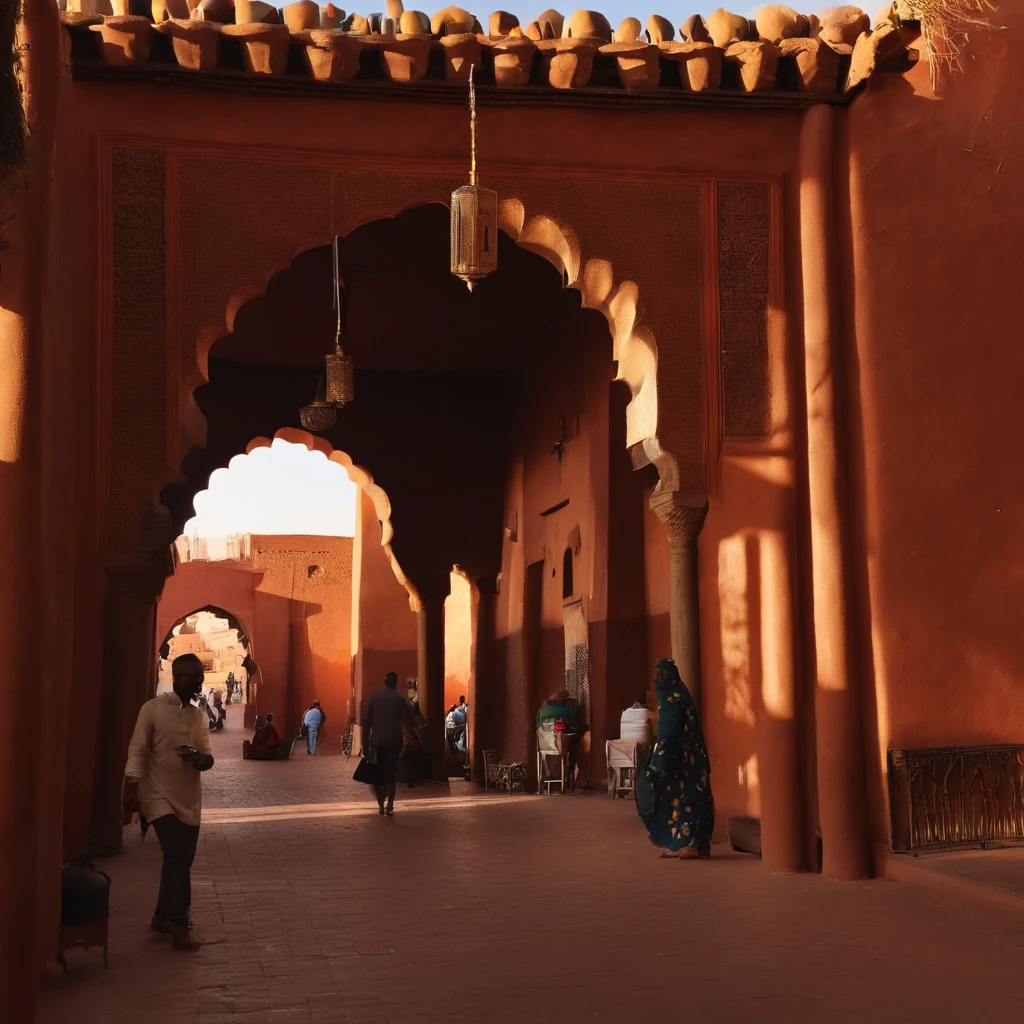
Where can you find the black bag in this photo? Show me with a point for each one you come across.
(85, 894)
(368, 771)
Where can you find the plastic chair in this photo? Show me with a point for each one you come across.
(547, 746)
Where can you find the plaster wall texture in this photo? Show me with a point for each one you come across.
(932, 308)
(295, 604)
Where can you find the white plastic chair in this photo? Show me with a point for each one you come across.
(547, 746)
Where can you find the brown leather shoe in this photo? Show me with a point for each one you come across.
(181, 938)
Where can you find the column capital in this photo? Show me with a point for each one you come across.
(682, 513)
(432, 585)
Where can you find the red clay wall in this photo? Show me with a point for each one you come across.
(295, 603)
(315, 575)
(384, 638)
(933, 309)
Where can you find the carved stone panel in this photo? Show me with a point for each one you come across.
(138, 360)
(744, 231)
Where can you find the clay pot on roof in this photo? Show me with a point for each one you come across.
(414, 23)
(570, 62)
(694, 30)
(700, 65)
(461, 52)
(776, 22)
(873, 51)
(637, 64)
(405, 58)
(101, 7)
(76, 19)
(501, 23)
(125, 40)
(588, 25)
(628, 31)
(395, 9)
(221, 12)
(513, 61)
(196, 44)
(816, 62)
(843, 26)
(264, 46)
(301, 16)
(356, 25)
(548, 25)
(451, 21)
(331, 55)
(164, 10)
(256, 12)
(758, 64)
(659, 30)
(726, 28)
(331, 16)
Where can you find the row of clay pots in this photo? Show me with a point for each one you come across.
(334, 56)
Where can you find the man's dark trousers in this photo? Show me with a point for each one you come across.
(178, 842)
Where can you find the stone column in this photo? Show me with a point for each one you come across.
(484, 694)
(682, 514)
(433, 588)
(129, 675)
(841, 790)
(28, 414)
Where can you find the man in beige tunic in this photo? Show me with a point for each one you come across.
(168, 750)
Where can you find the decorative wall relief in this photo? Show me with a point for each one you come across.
(138, 357)
(744, 233)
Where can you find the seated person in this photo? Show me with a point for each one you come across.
(557, 716)
(264, 743)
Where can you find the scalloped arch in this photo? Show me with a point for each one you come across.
(360, 476)
(634, 347)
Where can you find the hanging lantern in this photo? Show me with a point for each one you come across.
(319, 415)
(340, 368)
(474, 217)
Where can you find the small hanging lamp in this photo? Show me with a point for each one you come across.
(340, 368)
(319, 415)
(474, 217)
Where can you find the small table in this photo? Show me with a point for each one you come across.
(620, 757)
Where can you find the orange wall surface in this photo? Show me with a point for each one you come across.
(295, 603)
(933, 307)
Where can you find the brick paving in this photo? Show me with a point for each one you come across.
(474, 907)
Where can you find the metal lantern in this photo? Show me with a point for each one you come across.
(340, 369)
(340, 378)
(474, 217)
(319, 415)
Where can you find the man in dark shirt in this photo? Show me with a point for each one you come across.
(386, 712)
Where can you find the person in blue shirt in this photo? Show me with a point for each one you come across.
(313, 721)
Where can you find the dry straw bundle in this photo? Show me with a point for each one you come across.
(945, 25)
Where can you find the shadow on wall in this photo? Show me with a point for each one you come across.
(758, 724)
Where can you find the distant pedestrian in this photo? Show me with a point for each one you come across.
(386, 712)
(313, 722)
(162, 781)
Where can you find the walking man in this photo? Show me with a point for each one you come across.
(386, 711)
(313, 720)
(169, 749)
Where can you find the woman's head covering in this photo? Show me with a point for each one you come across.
(669, 685)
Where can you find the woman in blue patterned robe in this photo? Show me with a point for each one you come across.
(673, 785)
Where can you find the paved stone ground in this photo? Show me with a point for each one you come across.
(475, 907)
(1000, 870)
